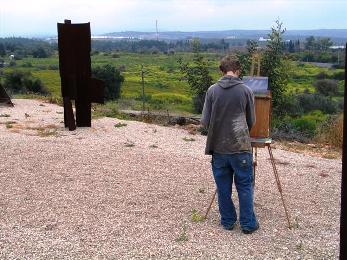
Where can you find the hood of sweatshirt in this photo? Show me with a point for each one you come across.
(229, 81)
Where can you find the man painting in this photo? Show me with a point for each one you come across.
(229, 114)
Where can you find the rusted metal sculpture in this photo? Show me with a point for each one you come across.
(74, 44)
(5, 99)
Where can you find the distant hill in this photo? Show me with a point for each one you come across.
(337, 35)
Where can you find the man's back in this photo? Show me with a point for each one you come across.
(228, 114)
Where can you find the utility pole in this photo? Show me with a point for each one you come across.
(143, 89)
(156, 28)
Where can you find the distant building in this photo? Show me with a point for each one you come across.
(11, 57)
(337, 47)
(262, 39)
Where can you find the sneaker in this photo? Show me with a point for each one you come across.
(247, 232)
(231, 227)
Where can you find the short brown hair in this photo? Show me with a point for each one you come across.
(230, 63)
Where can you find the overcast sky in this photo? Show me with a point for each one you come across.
(39, 17)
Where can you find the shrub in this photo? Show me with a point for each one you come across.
(307, 124)
(311, 102)
(112, 80)
(327, 87)
(301, 128)
(331, 131)
(53, 67)
(340, 75)
(122, 68)
(27, 64)
(23, 82)
(322, 75)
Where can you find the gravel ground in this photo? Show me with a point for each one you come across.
(126, 192)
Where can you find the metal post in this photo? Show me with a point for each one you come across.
(143, 90)
(343, 219)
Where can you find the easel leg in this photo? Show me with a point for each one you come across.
(209, 207)
(279, 186)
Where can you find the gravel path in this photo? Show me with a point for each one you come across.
(126, 192)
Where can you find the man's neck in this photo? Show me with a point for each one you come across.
(231, 73)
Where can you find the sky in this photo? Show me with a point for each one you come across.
(40, 17)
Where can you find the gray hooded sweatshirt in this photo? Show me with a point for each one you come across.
(228, 114)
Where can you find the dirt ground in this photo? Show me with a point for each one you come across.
(126, 189)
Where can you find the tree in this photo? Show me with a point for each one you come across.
(273, 66)
(112, 78)
(310, 43)
(197, 75)
(40, 52)
(2, 50)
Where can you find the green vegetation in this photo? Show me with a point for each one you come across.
(197, 76)
(183, 236)
(273, 66)
(196, 217)
(112, 79)
(309, 97)
(120, 125)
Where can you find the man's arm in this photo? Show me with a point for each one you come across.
(250, 111)
(206, 111)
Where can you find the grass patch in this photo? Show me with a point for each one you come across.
(196, 217)
(183, 236)
(129, 144)
(188, 139)
(120, 125)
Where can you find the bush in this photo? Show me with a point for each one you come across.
(27, 64)
(307, 124)
(40, 52)
(331, 131)
(300, 128)
(340, 75)
(112, 80)
(311, 102)
(322, 75)
(23, 82)
(122, 68)
(115, 55)
(327, 87)
(53, 67)
(292, 105)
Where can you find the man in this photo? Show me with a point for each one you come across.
(229, 114)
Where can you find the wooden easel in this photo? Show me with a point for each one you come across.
(260, 137)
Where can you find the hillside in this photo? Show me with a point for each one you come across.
(337, 35)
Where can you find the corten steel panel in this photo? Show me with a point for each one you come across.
(74, 43)
(74, 58)
(4, 97)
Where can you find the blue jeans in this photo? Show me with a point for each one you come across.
(238, 166)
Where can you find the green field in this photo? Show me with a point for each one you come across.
(164, 87)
